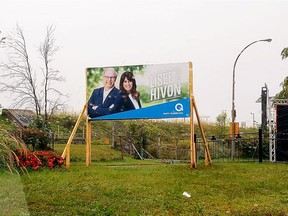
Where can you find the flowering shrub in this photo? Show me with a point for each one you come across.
(39, 159)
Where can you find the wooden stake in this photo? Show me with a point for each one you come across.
(66, 152)
(88, 142)
(192, 141)
(207, 152)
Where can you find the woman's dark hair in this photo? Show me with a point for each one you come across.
(129, 75)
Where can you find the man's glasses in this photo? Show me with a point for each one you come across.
(109, 77)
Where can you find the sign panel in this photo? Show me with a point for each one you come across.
(138, 91)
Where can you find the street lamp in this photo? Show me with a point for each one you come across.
(233, 112)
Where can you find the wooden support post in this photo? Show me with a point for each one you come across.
(88, 142)
(207, 152)
(66, 152)
(192, 141)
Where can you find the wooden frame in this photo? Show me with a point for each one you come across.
(193, 108)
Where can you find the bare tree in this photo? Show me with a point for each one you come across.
(19, 78)
(47, 50)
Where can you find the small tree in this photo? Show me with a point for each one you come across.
(38, 134)
(47, 50)
(221, 121)
(17, 74)
(283, 94)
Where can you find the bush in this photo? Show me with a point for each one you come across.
(38, 134)
(65, 120)
(8, 146)
(39, 159)
(38, 139)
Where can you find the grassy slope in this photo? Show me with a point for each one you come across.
(98, 152)
(132, 187)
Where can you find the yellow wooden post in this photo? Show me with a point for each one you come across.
(88, 142)
(88, 129)
(66, 152)
(192, 141)
(207, 152)
(68, 155)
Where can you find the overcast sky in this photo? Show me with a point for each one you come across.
(210, 34)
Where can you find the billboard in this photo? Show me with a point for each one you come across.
(138, 91)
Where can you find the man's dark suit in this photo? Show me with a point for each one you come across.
(105, 108)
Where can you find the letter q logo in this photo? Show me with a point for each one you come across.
(179, 107)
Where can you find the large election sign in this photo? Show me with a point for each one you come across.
(138, 91)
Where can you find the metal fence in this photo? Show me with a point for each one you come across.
(247, 148)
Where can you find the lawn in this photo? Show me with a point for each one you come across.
(134, 187)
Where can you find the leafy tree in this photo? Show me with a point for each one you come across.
(94, 75)
(221, 121)
(283, 94)
(137, 134)
(20, 79)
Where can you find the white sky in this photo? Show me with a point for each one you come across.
(210, 34)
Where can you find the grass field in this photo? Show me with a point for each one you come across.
(133, 187)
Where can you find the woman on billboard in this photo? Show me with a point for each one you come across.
(130, 99)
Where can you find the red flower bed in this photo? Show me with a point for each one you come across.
(39, 159)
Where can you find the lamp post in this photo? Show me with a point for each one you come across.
(233, 111)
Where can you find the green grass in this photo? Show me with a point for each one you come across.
(134, 187)
(157, 190)
(98, 152)
(5, 123)
(12, 197)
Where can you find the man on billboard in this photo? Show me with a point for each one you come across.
(102, 100)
